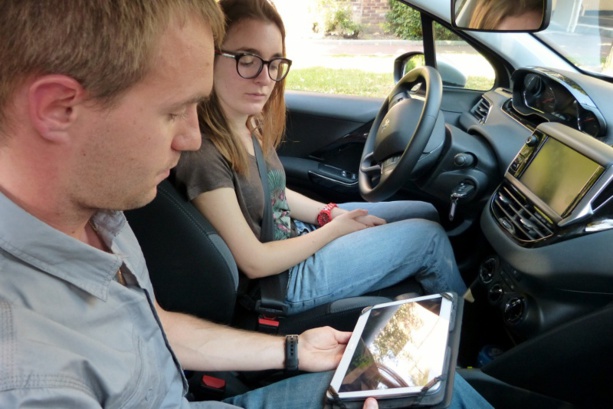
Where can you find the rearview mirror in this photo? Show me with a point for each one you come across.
(501, 15)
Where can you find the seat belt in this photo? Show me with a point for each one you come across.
(273, 289)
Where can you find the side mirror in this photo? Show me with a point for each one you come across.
(449, 74)
(501, 15)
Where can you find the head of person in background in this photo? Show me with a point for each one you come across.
(249, 87)
(513, 15)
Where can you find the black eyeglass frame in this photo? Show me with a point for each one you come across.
(238, 56)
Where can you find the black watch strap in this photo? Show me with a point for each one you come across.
(291, 353)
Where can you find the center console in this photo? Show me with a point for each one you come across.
(550, 223)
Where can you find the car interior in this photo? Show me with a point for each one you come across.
(521, 175)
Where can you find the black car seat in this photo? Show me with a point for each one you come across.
(193, 271)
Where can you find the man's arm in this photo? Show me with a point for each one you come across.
(203, 345)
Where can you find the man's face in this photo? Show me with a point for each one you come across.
(125, 151)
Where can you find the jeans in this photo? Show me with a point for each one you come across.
(411, 244)
(307, 391)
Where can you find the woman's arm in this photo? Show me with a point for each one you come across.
(206, 346)
(306, 209)
(256, 259)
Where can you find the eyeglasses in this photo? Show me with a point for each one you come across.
(250, 65)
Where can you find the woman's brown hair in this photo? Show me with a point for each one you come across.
(489, 14)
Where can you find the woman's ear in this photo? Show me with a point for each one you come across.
(54, 101)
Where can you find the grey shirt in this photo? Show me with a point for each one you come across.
(71, 336)
(206, 170)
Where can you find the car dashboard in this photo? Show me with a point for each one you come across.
(542, 95)
(550, 219)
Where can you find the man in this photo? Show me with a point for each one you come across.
(97, 101)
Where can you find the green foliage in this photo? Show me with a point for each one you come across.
(338, 18)
(405, 22)
(414, 62)
(345, 25)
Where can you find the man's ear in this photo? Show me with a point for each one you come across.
(54, 101)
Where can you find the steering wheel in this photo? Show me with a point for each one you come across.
(400, 133)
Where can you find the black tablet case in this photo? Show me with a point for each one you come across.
(439, 399)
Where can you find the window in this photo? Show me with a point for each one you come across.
(364, 66)
(460, 64)
(343, 66)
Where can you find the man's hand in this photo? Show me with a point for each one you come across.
(370, 403)
(321, 349)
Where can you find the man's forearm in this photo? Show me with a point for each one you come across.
(203, 345)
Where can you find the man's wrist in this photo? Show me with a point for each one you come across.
(291, 353)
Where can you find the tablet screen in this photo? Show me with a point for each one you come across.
(396, 348)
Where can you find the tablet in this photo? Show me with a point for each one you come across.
(397, 349)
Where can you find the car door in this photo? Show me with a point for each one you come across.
(326, 129)
(324, 143)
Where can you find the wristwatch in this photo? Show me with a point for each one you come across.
(325, 214)
(291, 353)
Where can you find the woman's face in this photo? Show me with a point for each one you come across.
(240, 97)
(529, 20)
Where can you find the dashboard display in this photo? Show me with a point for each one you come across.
(541, 95)
(560, 176)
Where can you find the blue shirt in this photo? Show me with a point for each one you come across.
(71, 336)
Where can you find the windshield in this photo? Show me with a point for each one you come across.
(582, 32)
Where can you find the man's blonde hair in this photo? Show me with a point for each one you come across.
(106, 45)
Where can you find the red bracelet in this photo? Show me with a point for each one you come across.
(325, 214)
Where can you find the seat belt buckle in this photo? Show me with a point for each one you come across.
(271, 308)
(206, 387)
(268, 324)
(211, 383)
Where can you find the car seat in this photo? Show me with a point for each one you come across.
(193, 271)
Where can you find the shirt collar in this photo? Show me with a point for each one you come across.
(41, 246)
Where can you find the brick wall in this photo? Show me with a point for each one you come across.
(299, 15)
(371, 13)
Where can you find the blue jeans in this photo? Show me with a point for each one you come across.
(411, 244)
(307, 391)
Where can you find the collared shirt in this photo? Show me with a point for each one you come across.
(71, 336)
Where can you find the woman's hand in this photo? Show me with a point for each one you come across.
(321, 349)
(347, 222)
(367, 220)
(371, 221)
(352, 221)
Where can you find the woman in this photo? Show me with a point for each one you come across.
(331, 251)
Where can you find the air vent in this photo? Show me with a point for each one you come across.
(481, 110)
(519, 218)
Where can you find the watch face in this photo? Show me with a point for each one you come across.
(326, 217)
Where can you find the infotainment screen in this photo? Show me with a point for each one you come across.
(398, 349)
(559, 175)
